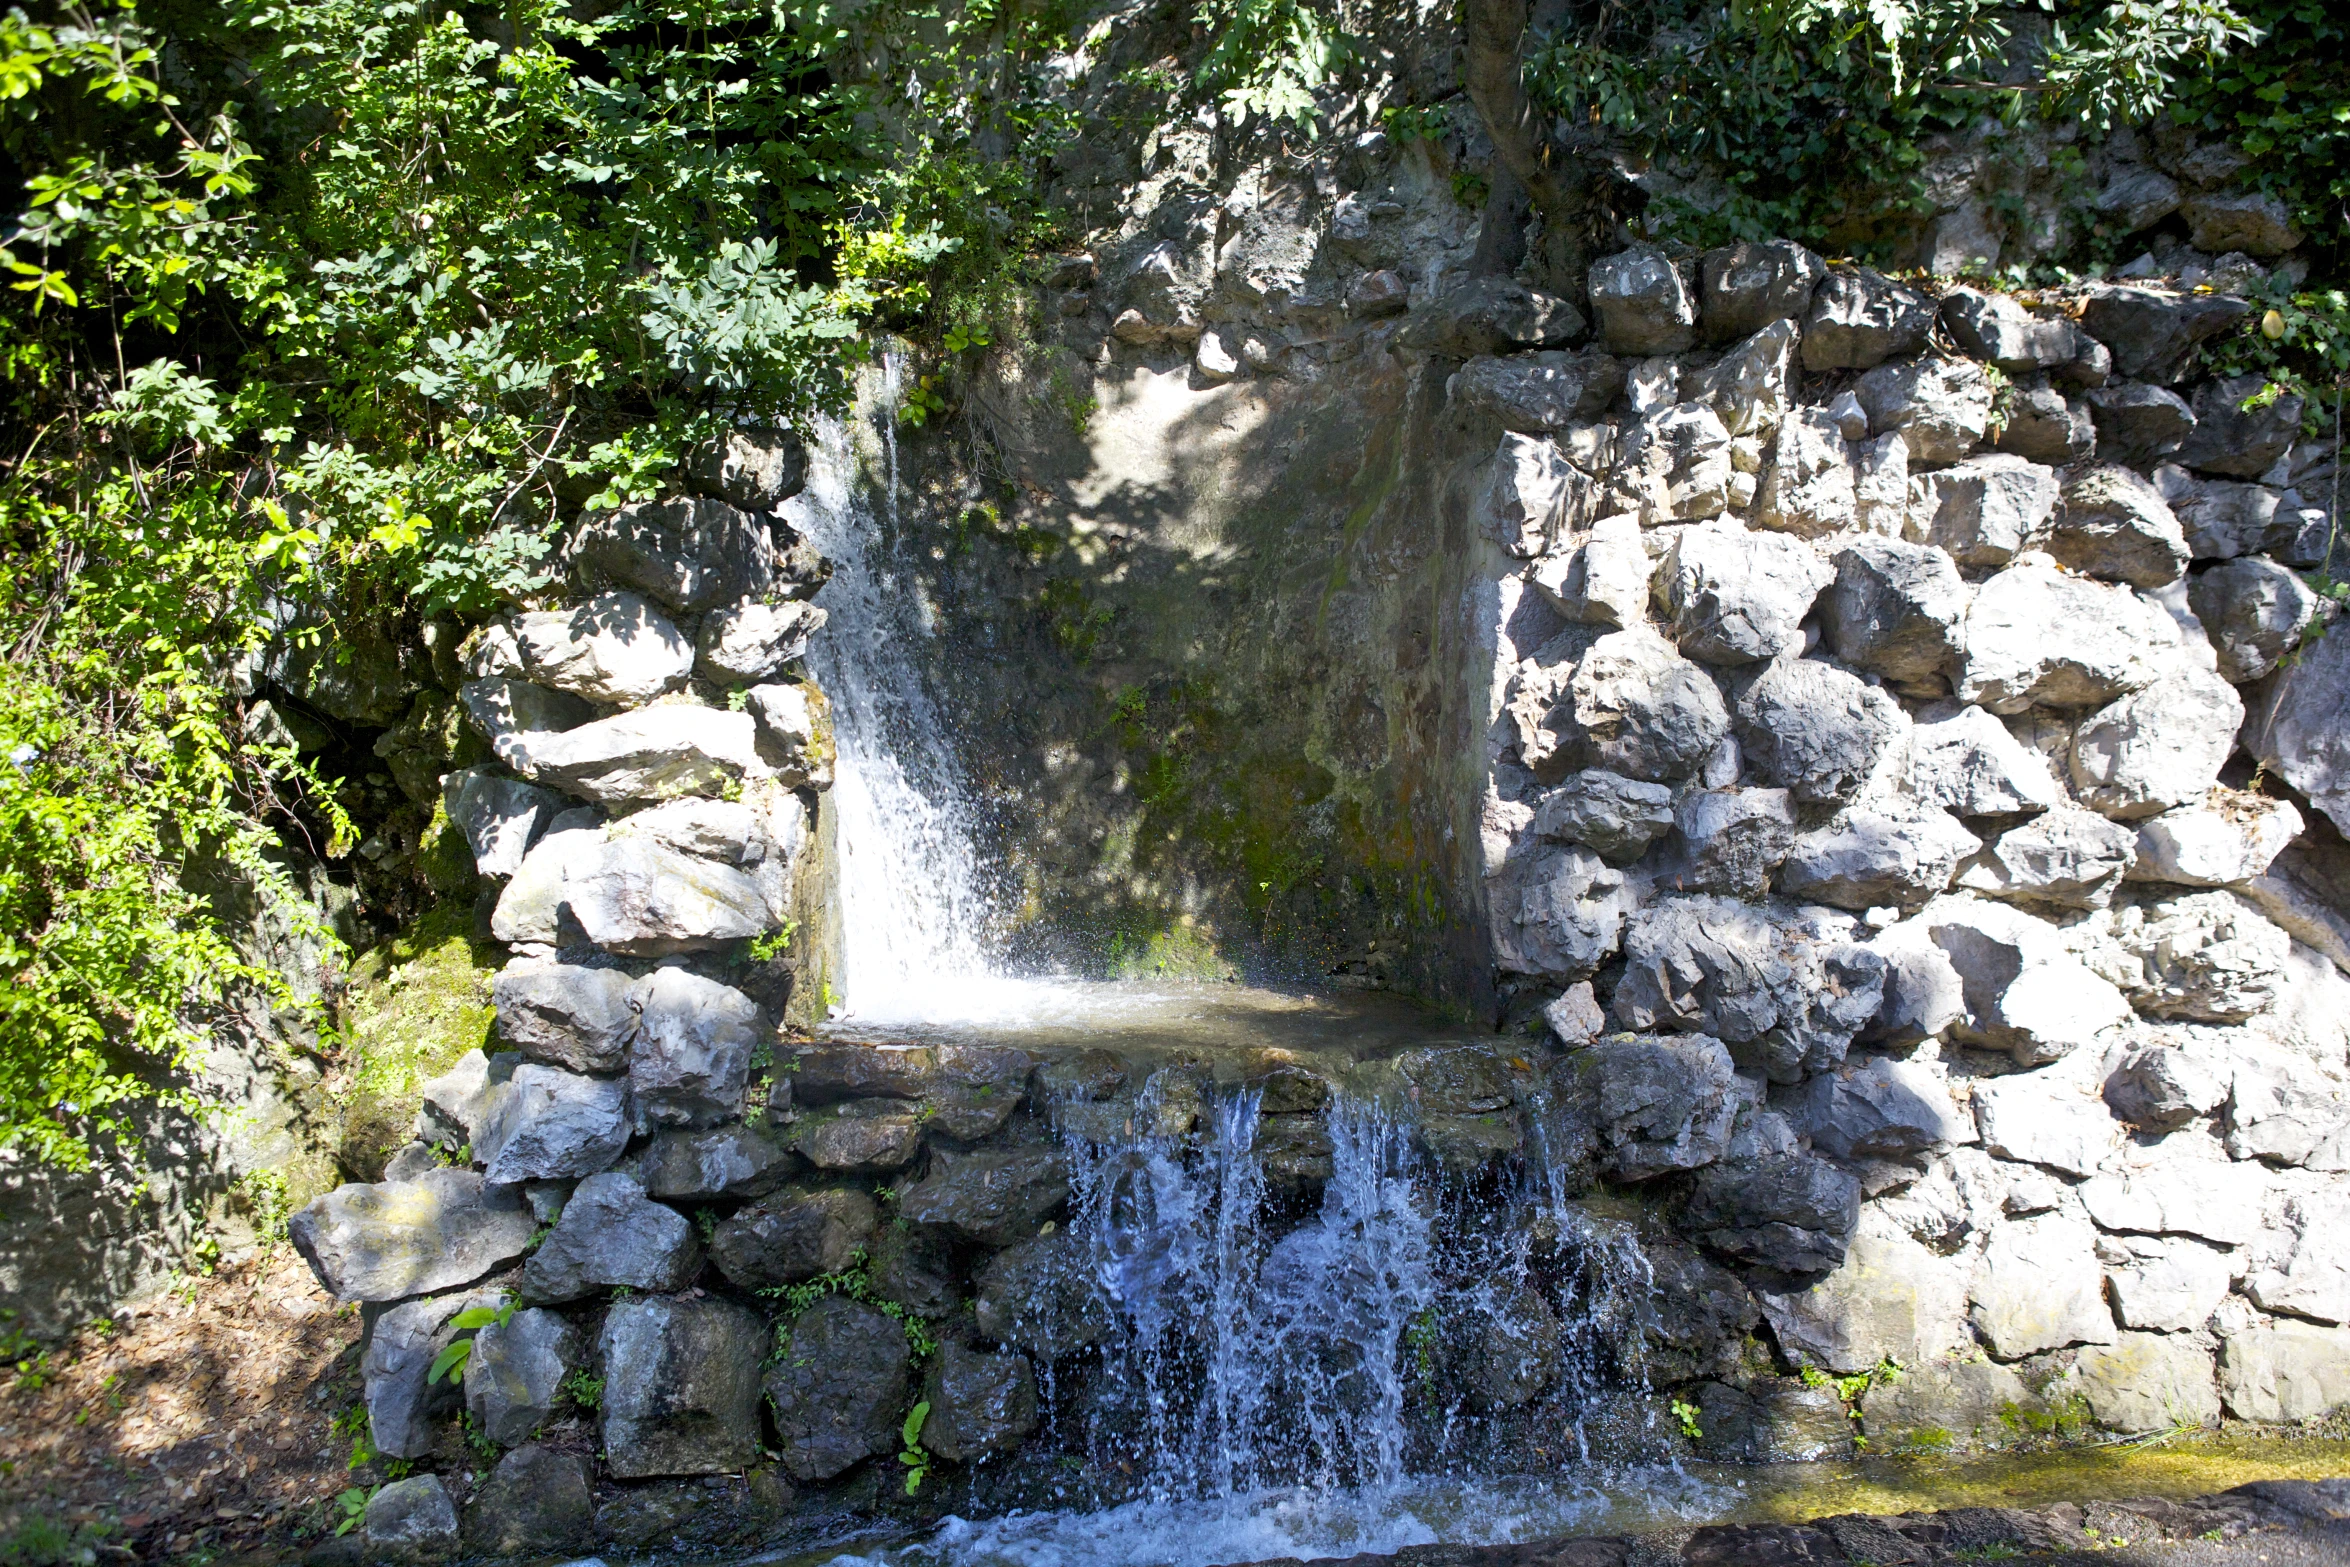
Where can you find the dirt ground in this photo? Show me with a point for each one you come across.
(202, 1427)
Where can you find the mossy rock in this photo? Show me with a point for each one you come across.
(416, 1004)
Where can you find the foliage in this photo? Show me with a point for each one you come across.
(1685, 1415)
(352, 1503)
(915, 1457)
(41, 1541)
(1268, 57)
(2287, 104)
(457, 1353)
(583, 1389)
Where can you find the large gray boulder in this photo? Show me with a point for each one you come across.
(1859, 319)
(1715, 966)
(1041, 1298)
(1880, 1109)
(2230, 840)
(410, 1523)
(2207, 957)
(538, 1502)
(1984, 511)
(838, 1388)
(1809, 485)
(1744, 288)
(638, 897)
(755, 469)
(748, 642)
(500, 817)
(690, 553)
(611, 1237)
(546, 1124)
(2025, 991)
(2044, 426)
(1868, 859)
(1537, 393)
(2038, 637)
(1491, 315)
(1532, 495)
(2168, 1286)
(993, 1196)
(2153, 332)
(565, 1015)
(1735, 597)
(2040, 1287)
(2139, 424)
(1632, 705)
(438, 1232)
(1965, 761)
(2237, 441)
(405, 1409)
(1815, 730)
(1603, 580)
(1556, 912)
(793, 1237)
(2275, 1372)
(2297, 724)
(514, 1377)
(1995, 328)
(2147, 1382)
(1897, 610)
(1942, 407)
(682, 1165)
(1656, 1103)
(1675, 462)
(980, 1402)
(453, 1107)
(2066, 858)
(1615, 817)
(862, 1137)
(1730, 840)
(2255, 224)
(530, 909)
(2255, 612)
(1790, 1213)
(2223, 519)
(1923, 993)
(654, 753)
(2159, 747)
(794, 732)
(681, 1386)
(615, 648)
(1641, 303)
(2113, 524)
(517, 717)
(691, 1057)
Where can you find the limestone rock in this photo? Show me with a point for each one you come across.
(1860, 319)
(1809, 487)
(1923, 995)
(2207, 957)
(692, 1053)
(2153, 331)
(2025, 993)
(1891, 1298)
(991, 1196)
(2170, 1287)
(1641, 303)
(565, 1015)
(2113, 525)
(1787, 1212)
(537, 1502)
(2036, 637)
(1965, 761)
(615, 648)
(500, 817)
(1994, 327)
(2044, 426)
(2163, 1087)
(1880, 482)
(2039, 1286)
(531, 907)
(2244, 221)
(748, 642)
(1815, 730)
(1615, 817)
(611, 1237)
(793, 1237)
(862, 1137)
(2034, 1119)
(1781, 1001)
(2309, 1274)
(2148, 1382)
(2284, 1371)
(1897, 610)
(638, 897)
(1556, 912)
(2236, 441)
(1883, 1109)
(980, 1403)
(1985, 511)
(690, 553)
(757, 470)
(2066, 857)
(1633, 706)
(1942, 407)
(403, 1238)
(1744, 288)
(546, 1124)
(2222, 519)
(405, 1408)
(1538, 393)
(681, 1386)
(838, 1388)
(1604, 579)
(1736, 597)
(410, 1521)
(1040, 1297)
(1531, 494)
(654, 753)
(1658, 1103)
(517, 717)
(1731, 840)
(728, 1161)
(2297, 723)
(2137, 198)
(514, 1377)
(1943, 1406)
(2282, 1113)
(2215, 1202)
(794, 729)
(1575, 1018)
(2255, 611)
(1779, 1421)
(1491, 315)
(1676, 461)
(456, 1103)
(2139, 424)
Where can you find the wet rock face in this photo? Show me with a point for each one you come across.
(681, 1386)
(793, 1237)
(838, 1388)
(980, 1403)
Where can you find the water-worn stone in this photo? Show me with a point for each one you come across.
(2170, 1286)
(2284, 1371)
(1604, 579)
(635, 896)
(2308, 1267)
(1675, 463)
(2233, 440)
(1556, 912)
(1897, 610)
(500, 817)
(862, 1137)
(410, 1521)
(1491, 315)
(1778, 1420)
(2034, 1119)
(1658, 1103)
(793, 1237)
(2255, 612)
(1870, 859)
(1891, 1299)
(1735, 597)
(1815, 730)
(1731, 840)
(2246, 221)
(514, 1376)
(1859, 319)
(546, 1124)
(1994, 327)
(980, 1402)
(539, 1501)
(1537, 393)
(2025, 993)
(1809, 486)
(2157, 747)
(794, 732)
(1631, 705)
(2066, 858)
(992, 1196)
(1640, 301)
(2148, 1382)
(691, 1056)
(2139, 424)
(517, 717)
(2039, 1286)
(1984, 511)
(690, 553)
(565, 1015)
(2207, 957)
(1964, 760)
(611, 1237)
(1787, 1212)
(749, 642)
(681, 1386)
(2045, 426)
(1942, 407)
(1615, 817)
(1882, 1109)
(1785, 1003)
(2162, 1087)
(2297, 723)
(1040, 1298)
(1531, 495)
(728, 1161)
(654, 753)
(1744, 288)
(402, 1238)
(614, 648)
(2153, 331)
(838, 1387)
(405, 1408)
(2038, 637)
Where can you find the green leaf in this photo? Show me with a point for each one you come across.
(450, 1362)
(912, 1429)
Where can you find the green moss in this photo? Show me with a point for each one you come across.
(1177, 952)
(416, 1004)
